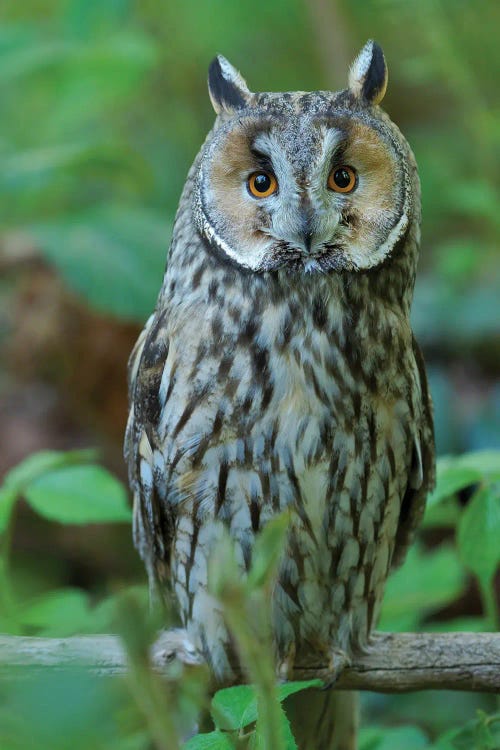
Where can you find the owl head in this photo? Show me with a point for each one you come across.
(316, 182)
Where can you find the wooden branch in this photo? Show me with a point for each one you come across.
(393, 663)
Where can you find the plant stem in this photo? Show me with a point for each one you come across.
(249, 624)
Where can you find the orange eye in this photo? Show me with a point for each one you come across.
(342, 179)
(262, 184)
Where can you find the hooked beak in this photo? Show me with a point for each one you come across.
(306, 225)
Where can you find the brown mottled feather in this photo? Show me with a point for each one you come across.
(274, 375)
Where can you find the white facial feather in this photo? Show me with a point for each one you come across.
(305, 223)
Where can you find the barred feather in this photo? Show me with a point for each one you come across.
(297, 387)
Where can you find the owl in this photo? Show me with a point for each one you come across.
(279, 371)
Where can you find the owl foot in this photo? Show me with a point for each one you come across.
(174, 646)
(339, 660)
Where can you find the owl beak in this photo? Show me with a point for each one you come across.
(307, 239)
(306, 227)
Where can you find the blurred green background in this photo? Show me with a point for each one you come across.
(103, 107)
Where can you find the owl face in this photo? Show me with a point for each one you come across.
(307, 182)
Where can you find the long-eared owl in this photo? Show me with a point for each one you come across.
(279, 369)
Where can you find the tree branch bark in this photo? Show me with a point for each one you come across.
(393, 663)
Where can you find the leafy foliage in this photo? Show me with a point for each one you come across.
(130, 715)
(65, 487)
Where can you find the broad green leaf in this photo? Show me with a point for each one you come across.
(41, 463)
(426, 582)
(456, 472)
(211, 741)
(451, 480)
(290, 688)
(257, 742)
(114, 257)
(79, 494)
(230, 705)
(290, 743)
(31, 468)
(479, 533)
(236, 707)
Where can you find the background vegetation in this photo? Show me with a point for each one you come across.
(104, 106)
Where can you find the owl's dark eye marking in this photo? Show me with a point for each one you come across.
(262, 184)
(342, 179)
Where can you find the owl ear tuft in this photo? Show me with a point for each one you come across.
(368, 74)
(227, 88)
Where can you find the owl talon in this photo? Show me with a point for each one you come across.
(339, 660)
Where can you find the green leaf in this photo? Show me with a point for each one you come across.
(257, 741)
(290, 743)
(34, 466)
(79, 494)
(63, 486)
(211, 741)
(43, 462)
(457, 472)
(290, 688)
(230, 707)
(426, 582)
(236, 707)
(479, 533)
(114, 257)
(450, 480)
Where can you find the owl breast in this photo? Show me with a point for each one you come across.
(273, 414)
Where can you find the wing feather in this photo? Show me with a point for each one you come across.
(422, 475)
(154, 517)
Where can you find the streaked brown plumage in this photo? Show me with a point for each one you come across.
(279, 370)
